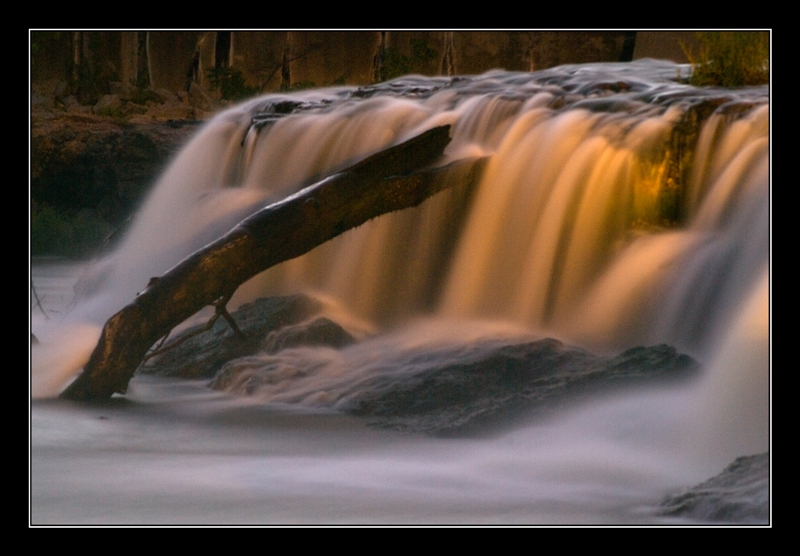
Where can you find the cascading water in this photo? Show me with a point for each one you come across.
(605, 218)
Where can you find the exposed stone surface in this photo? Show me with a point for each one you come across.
(320, 332)
(108, 105)
(200, 99)
(740, 494)
(81, 160)
(103, 157)
(506, 382)
(202, 355)
(453, 389)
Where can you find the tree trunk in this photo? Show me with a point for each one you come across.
(384, 182)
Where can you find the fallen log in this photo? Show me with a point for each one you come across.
(384, 182)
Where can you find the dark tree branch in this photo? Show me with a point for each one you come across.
(387, 181)
(38, 301)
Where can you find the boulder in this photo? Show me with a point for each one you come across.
(108, 105)
(199, 98)
(740, 494)
(320, 332)
(201, 354)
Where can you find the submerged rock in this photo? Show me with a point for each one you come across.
(740, 494)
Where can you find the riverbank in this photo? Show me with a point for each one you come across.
(91, 165)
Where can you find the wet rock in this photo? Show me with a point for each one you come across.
(203, 354)
(320, 332)
(503, 383)
(740, 494)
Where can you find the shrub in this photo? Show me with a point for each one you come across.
(421, 52)
(230, 83)
(397, 64)
(730, 58)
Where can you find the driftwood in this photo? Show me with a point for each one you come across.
(387, 181)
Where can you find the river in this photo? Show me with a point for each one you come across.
(582, 229)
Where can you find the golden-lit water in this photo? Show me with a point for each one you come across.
(565, 236)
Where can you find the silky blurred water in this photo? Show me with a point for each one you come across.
(564, 237)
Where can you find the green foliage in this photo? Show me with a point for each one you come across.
(230, 83)
(58, 232)
(90, 83)
(421, 52)
(396, 64)
(730, 58)
(89, 78)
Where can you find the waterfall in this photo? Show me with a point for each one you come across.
(566, 232)
(619, 208)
